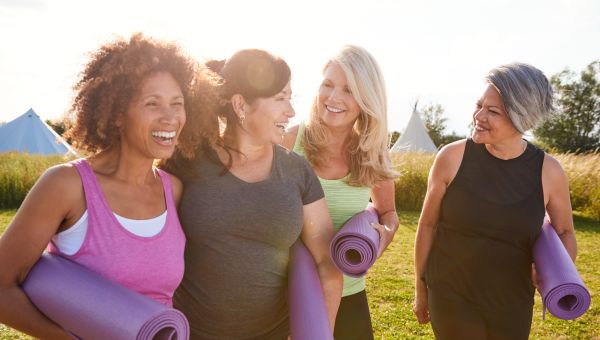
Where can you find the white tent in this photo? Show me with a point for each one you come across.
(28, 133)
(415, 137)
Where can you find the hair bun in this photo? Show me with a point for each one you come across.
(215, 65)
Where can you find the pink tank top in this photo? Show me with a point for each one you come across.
(152, 266)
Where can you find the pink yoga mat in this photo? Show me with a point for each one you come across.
(308, 314)
(562, 289)
(92, 307)
(354, 248)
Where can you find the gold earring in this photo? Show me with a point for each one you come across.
(242, 117)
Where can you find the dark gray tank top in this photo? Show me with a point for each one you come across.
(491, 215)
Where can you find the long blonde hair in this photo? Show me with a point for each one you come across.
(369, 162)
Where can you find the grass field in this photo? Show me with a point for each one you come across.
(390, 288)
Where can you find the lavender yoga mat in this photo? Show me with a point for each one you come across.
(308, 314)
(92, 307)
(563, 292)
(354, 248)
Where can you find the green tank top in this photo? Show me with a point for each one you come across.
(343, 201)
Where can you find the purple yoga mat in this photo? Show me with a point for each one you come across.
(354, 248)
(308, 314)
(563, 292)
(92, 307)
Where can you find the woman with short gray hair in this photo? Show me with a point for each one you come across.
(486, 201)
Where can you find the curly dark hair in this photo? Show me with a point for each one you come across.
(112, 78)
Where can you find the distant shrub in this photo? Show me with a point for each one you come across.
(18, 173)
(411, 186)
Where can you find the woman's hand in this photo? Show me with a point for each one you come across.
(420, 307)
(386, 235)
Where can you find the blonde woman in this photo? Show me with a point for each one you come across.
(345, 141)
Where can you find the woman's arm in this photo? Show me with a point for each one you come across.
(317, 233)
(47, 206)
(384, 201)
(558, 203)
(445, 167)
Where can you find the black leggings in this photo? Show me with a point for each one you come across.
(461, 320)
(353, 320)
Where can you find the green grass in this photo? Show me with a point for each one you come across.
(390, 288)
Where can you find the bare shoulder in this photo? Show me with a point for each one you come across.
(448, 159)
(452, 153)
(552, 167)
(56, 199)
(289, 138)
(63, 177)
(553, 176)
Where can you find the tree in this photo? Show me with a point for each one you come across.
(435, 122)
(60, 125)
(393, 138)
(576, 126)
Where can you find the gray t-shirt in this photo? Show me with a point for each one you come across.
(238, 240)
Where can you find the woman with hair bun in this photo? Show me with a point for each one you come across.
(247, 200)
(113, 211)
(345, 140)
(486, 201)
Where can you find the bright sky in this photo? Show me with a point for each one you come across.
(436, 51)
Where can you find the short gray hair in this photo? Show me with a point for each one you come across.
(526, 93)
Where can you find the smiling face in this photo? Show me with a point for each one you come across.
(335, 103)
(154, 117)
(490, 119)
(267, 118)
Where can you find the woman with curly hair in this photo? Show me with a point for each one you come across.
(345, 141)
(113, 211)
(247, 202)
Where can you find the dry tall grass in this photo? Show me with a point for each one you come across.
(18, 173)
(583, 172)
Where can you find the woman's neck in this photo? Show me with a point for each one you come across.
(509, 148)
(338, 139)
(247, 150)
(123, 166)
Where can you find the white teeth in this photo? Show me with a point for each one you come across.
(333, 109)
(281, 125)
(164, 134)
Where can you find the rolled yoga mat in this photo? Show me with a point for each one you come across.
(92, 307)
(308, 314)
(354, 248)
(563, 292)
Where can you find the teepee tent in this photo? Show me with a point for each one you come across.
(415, 137)
(28, 133)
